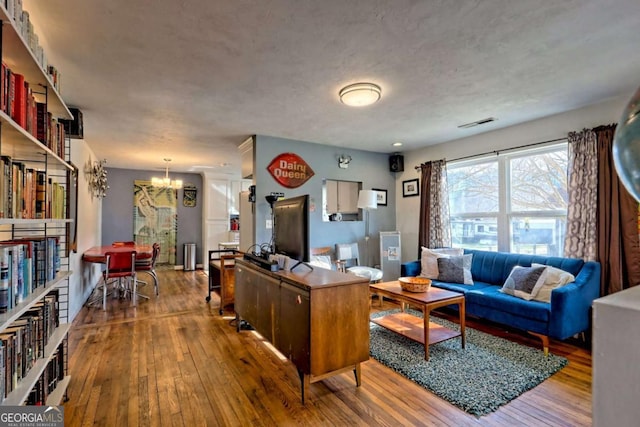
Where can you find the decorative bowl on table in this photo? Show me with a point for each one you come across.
(415, 284)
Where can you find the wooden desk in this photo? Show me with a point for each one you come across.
(317, 319)
(98, 254)
(222, 275)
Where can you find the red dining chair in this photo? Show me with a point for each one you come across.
(120, 265)
(149, 266)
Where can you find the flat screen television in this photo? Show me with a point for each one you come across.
(291, 228)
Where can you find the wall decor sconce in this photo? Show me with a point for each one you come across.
(97, 178)
(343, 161)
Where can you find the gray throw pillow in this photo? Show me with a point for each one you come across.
(525, 282)
(455, 269)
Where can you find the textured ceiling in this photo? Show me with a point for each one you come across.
(191, 80)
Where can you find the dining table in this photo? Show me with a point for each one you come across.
(98, 254)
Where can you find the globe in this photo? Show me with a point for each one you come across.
(626, 146)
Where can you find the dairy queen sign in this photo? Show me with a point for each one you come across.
(290, 170)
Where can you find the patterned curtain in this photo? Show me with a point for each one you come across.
(434, 229)
(582, 235)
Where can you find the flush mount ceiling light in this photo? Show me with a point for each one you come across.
(360, 94)
(397, 144)
(166, 181)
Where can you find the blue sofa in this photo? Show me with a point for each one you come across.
(567, 314)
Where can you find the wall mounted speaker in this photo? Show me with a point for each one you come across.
(396, 163)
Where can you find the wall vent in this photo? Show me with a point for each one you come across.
(479, 122)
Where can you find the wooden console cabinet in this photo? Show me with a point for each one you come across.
(317, 319)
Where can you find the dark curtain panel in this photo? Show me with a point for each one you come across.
(618, 243)
(425, 207)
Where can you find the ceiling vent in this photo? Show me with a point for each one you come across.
(479, 122)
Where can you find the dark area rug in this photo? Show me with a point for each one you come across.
(478, 379)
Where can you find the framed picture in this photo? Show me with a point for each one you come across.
(189, 196)
(410, 188)
(381, 196)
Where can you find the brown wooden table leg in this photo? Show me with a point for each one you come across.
(462, 321)
(425, 313)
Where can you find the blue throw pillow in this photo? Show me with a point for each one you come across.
(455, 269)
(525, 282)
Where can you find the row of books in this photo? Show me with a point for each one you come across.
(26, 264)
(24, 26)
(17, 100)
(24, 341)
(48, 381)
(27, 193)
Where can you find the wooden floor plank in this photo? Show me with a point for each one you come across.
(173, 360)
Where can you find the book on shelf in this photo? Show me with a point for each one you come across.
(11, 92)
(41, 192)
(27, 193)
(14, 271)
(7, 186)
(47, 383)
(18, 114)
(18, 356)
(26, 264)
(29, 263)
(24, 341)
(3, 87)
(42, 119)
(8, 368)
(3, 358)
(26, 325)
(5, 281)
(18, 102)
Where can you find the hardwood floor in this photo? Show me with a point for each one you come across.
(174, 360)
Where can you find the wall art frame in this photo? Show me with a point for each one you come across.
(381, 196)
(411, 188)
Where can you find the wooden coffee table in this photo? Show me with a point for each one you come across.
(413, 327)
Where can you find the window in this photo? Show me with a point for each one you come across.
(515, 202)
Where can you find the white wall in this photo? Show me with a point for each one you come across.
(89, 219)
(553, 127)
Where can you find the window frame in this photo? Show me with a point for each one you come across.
(505, 215)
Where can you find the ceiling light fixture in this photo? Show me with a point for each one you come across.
(360, 94)
(166, 181)
(397, 144)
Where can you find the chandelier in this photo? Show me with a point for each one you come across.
(166, 181)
